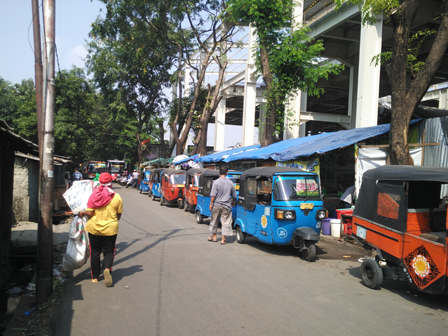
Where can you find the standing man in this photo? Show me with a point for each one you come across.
(77, 176)
(223, 198)
(135, 175)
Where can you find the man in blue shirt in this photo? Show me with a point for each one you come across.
(77, 176)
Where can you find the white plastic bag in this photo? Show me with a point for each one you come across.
(78, 251)
(78, 195)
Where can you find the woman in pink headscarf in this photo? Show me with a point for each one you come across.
(104, 209)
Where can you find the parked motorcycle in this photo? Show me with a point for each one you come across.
(129, 182)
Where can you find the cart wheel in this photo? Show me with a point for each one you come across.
(186, 206)
(309, 253)
(240, 235)
(199, 217)
(371, 274)
(180, 205)
(162, 200)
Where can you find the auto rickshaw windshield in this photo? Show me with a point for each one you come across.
(288, 188)
(177, 179)
(196, 181)
(235, 181)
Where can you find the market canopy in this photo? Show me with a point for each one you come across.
(220, 156)
(186, 159)
(316, 144)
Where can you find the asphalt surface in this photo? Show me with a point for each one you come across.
(169, 280)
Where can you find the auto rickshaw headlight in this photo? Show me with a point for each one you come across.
(321, 214)
(290, 215)
(285, 214)
(172, 189)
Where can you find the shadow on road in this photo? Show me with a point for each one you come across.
(437, 302)
(73, 289)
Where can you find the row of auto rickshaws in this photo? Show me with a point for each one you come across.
(401, 214)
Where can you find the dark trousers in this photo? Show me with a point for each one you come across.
(106, 245)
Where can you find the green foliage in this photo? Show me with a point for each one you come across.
(413, 63)
(18, 107)
(294, 61)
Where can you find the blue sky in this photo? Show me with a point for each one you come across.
(73, 20)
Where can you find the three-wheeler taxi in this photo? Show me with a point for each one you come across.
(402, 215)
(154, 183)
(191, 188)
(206, 179)
(280, 205)
(171, 187)
(144, 182)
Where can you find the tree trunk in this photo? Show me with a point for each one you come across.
(162, 139)
(269, 126)
(407, 95)
(139, 147)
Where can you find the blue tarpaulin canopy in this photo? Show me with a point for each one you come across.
(316, 144)
(186, 159)
(216, 157)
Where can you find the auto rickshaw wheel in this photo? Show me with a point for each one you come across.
(186, 206)
(309, 252)
(240, 235)
(199, 217)
(153, 197)
(162, 200)
(371, 274)
(180, 205)
(149, 193)
(140, 191)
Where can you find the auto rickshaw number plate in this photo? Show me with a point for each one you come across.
(361, 232)
(307, 206)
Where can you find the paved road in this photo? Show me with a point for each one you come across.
(169, 280)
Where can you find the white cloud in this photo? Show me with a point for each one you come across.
(77, 56)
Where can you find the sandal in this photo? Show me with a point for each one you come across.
(94, 280)
(223, 242)
(210, 239)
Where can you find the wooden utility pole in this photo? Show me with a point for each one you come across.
(37, 68)
(45, 229)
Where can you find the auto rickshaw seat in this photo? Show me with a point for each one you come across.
(438, 237)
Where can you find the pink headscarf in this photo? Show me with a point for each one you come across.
(102, 195)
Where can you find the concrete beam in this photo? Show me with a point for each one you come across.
(220, 125)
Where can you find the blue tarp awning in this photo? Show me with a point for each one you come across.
(186, 159)
(216, 157)
(316, 144)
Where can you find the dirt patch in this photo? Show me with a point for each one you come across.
(21, 316)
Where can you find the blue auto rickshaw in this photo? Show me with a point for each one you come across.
(280, 205)
(144, 182)
(205, 187)
(154, 183)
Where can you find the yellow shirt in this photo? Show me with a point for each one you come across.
(104, 222)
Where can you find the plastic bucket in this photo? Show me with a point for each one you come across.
(326, 228)
(335, 227)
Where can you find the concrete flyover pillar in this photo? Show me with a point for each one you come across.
(220, 123)
(250, 94)
(369, 74)
(294, 106)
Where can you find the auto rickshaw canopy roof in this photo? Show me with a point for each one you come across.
(173, 171)
(194, 171)
(407, 173)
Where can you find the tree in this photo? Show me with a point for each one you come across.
(186, 25)
(130, 64)
(287, 58)
(18, 107)
(408, 84)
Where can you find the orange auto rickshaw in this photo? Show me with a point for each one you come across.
(191, 188)
(171, 187)
(401, 213)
